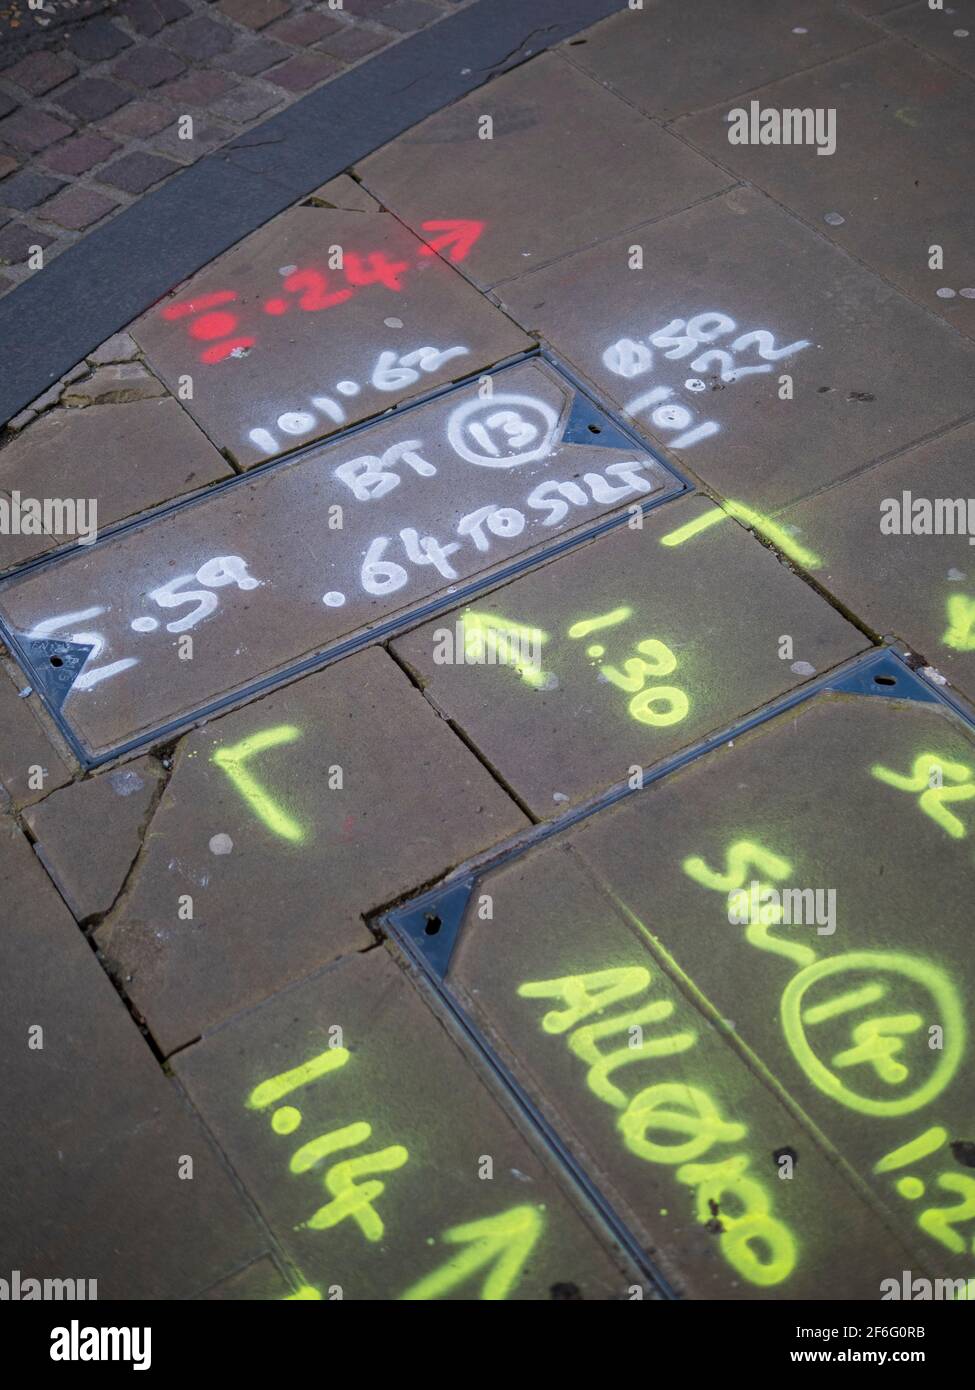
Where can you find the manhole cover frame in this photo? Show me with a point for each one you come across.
(587, 407)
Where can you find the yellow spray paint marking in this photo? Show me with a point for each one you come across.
(659, 1107)
(757, 521)
(277, 1087)
(742, 858)
(961, 623)
(877, 1043)
(843, 1003)
(489, 637)
(503, 1242)
(231, 761)
(778, 535)
(583, 1044)
(758, 934)
(349, 1198)
(739, 857)
(352, 1200)
(585, 994)
(715, 1182)
(658, 706)
(585, 626)
(635, 671)
(673, 706)
(305, 1294)
(927, 1143)
(942, 1006)
(932, 799)
(693, 528)
(316, 1149)
(939, 1222)
(756, 1245)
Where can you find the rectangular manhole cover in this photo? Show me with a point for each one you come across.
(205, 601)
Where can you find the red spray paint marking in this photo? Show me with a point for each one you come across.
(315, 295)
(226, 349)
(456, 236)
(380, 270)
(309, 288)
(196, 306)
(210, 325)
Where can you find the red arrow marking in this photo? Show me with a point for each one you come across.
(460, 235)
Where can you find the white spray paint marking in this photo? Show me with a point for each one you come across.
(216, 573)
(263, 440)
(371, 475)
(330, 408)
(90, 676)
(680, 339)
(296, 422)
(50, 625)
(503, 430)
(392, 372)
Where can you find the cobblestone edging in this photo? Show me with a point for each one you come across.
(98, 108)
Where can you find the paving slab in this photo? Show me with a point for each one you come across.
(614, 658)
(856, 997)
(670, 58)
(541, 184)
(102, 1189)
(432, 1192)
(89, 866)
(874, 7)
(30, 765)
(260, 1282)
(949, 33)
(114, 384)
(734, 296)
(898, 183)
(281, 825)
(346, 194)
(271, 331)
(888, 557)
(671, 1123)
(296, 558)
(116, 459)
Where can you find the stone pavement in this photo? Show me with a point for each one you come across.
(102, 102)
(487, 719)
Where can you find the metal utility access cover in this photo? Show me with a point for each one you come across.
(202, 602)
